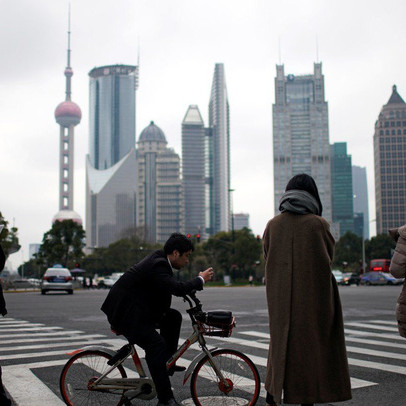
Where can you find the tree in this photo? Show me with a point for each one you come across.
(379, 247)
(118, 256)
(348, 249)
(8, 238)
(62, 244)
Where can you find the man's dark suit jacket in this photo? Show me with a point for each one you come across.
(144, 293)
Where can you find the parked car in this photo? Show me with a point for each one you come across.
(57, 279)
(338, 275)
(373, 278)
(351, 279)
(391, 280)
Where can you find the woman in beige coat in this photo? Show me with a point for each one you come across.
(398, 270)
(307, 358)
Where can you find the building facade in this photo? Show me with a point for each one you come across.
(341, 186)
(390, 164)
(194, 171)
(218, 155)
(360, 192)
(159, 199)
(301, 133)
(241, 220)
(110, 169)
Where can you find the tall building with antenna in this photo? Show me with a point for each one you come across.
(67, 115)
(301, 133)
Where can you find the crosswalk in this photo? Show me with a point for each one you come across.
(25, 347)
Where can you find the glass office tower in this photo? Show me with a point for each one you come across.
(193, 170)
(390, 164)
(341, 186)
(360, 192)
(219, 146)
(301, 133)
(111, 170)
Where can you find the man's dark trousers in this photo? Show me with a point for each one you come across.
(159, 348)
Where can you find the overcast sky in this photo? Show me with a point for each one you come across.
(360, 43)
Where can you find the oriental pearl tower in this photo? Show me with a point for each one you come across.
(67, 115)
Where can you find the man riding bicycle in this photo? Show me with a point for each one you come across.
(139, 303)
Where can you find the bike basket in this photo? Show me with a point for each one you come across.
(217, 323)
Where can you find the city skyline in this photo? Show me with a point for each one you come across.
(361, 63)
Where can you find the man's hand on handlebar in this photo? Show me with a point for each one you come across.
(207, 275)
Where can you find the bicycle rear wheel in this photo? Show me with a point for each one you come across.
(82, 369)
(242, 386)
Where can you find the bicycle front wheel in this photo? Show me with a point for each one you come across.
(83, 369)
(241, 386)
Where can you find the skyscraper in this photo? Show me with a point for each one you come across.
(111, 182)
(67, 115)
(360, 192)
(194, 170)
(301, 133)
(159, 187)
(341, 186)
(390, 164)
(219, 154)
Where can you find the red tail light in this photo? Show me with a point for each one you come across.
(46, 278)
(68, 278)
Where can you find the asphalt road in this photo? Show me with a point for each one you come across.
(39, 330)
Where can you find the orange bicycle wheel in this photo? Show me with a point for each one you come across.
(82, 369)
(241, 386)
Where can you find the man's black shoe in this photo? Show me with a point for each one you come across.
(170, 402)
(175, 368)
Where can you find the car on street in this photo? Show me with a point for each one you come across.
(391, 280)
(351, 278)
(338, 275)
(57, 279)
(373, 278)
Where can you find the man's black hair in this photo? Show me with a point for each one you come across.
(305, 182)
(178, 242)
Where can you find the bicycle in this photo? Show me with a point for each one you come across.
(95, 375)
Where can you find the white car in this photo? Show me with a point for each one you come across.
(338, 275)
(57, 279)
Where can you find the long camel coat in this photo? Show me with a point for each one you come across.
(307, 356)
(398, 270)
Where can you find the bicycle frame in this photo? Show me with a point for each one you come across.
(144, 384)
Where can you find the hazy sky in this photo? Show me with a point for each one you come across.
(360, 43)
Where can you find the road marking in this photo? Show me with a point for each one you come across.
(389, 323)
(373, 327)
(383, 354)
(51, 345)
(371, 334)
(17, 326)
(33, 340)
(376, 342)
(31, 329)
(376, 365)
(51, 334)
(17, 380)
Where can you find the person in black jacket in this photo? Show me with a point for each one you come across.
(4, 400)
(139, 303)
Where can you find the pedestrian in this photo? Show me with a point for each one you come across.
(307, 357)
(4, 400)
(140, 302)
(398, 270)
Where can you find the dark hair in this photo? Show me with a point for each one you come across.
(305, 182)
(178, 242)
